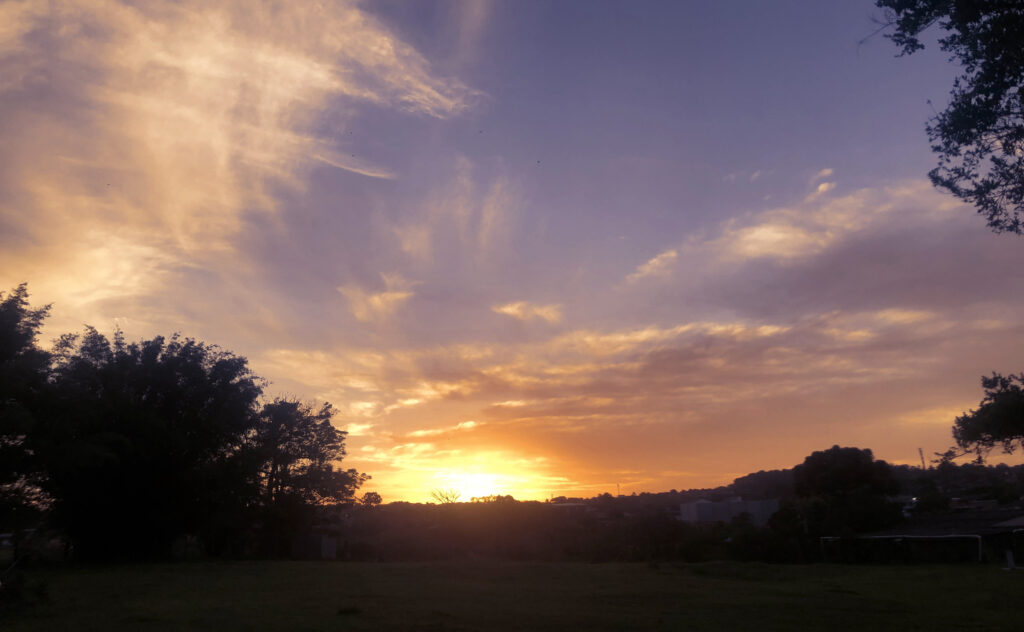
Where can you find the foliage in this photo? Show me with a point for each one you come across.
(445, 496)
(843, 472)
(23, 371)
(141, 441)
(762, 484)
(979, 137)
(130, 446)
(999, 418)
(370, 499)
(493, 498)
(295, 450)
(845, 490)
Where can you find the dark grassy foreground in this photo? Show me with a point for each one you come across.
(508, 596)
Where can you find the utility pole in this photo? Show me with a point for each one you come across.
(921, 454)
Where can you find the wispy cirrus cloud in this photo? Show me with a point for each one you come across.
(523, 310)
(432, 432)
(819, 223)
(356, 166)
(827, 172)
(172, 126)
(471, 209)
(658, 266)
(368, 306)
(821, 189)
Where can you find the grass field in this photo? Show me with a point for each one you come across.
(507, 596)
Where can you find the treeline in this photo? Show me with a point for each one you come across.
(834, 492)
(522, 531)
(126, 448)
(600, 530)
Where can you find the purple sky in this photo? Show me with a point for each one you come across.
(538, 248)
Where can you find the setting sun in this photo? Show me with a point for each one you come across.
(486, 474)
(471, 485)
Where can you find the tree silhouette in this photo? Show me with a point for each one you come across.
(843, 472)
(299, 449)
(133, 445)
(296, 450)
(845, 489)
(141, 442)
(979, 137)
(999, 419)
(23, 373)
(370, 499)
(445, 496)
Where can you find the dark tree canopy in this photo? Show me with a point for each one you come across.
(843, 472)
(295, 451)
(140, 440)
(979, 137)
(298, 448)
(370, 499)
(998, 420)
(131, 446)
(23, 371)
(845, 490)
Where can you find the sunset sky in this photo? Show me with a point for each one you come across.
(527, 248)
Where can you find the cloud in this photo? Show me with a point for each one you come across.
(904, 316)
(499, 202)
(816, 225)
(370, 306)
(431, 432)
(472, 209)
(775, 240)
(358, 430)
(824, 173)
(628, 340)
(472, 21)
(415, 240)
(174, 127)
(386, 382)
(751, 178)
(658, 266)
(523, 310)
(904, 247)
(356, 166)
(17, 19)
(942, 416)
(821, 189)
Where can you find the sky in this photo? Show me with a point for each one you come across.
(529, 248)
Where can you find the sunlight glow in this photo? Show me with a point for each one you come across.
(474, 484)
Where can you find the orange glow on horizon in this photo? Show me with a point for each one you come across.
(476, 475)
(471, 485)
